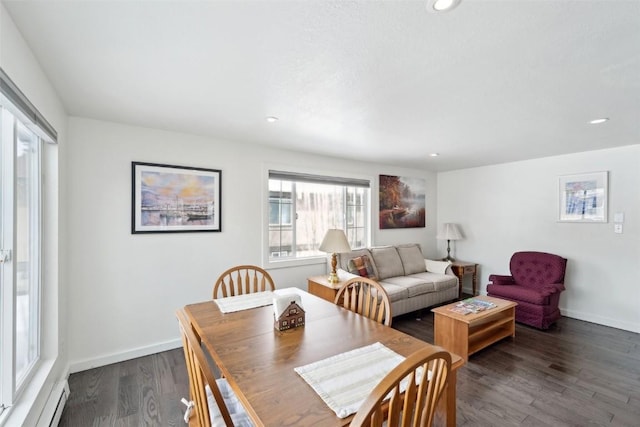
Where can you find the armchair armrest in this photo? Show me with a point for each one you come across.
(498, 279)
(433, 266)
(552, 288)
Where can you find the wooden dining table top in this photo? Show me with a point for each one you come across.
(258, 361)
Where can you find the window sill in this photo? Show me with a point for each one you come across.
(286, 263)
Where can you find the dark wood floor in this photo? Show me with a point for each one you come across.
(140, 392)
(575, 374)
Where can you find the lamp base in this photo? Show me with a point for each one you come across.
(333, 276)
(448, 257)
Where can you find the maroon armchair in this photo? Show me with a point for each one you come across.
(536, 280)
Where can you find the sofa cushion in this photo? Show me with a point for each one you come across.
(395, 292)
(440, 281)
(387, 262)
(362, 266)
(414, 285)
(412, 258)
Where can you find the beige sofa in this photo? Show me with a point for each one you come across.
(411, 281)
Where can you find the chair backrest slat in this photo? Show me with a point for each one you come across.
(241, 280)
(366, 297)
(417, 405)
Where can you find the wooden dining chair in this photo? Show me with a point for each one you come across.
(426, 373)
(213, 403)
(366, 297)
(243, 279)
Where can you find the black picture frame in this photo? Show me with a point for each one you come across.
(175, 199)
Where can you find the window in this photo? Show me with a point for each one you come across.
(21, 140)
(280, 204)
(303, 207)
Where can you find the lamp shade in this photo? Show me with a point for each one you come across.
(335, 241)
(449, 231)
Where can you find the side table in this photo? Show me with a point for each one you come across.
(461, 269)
(320, 287)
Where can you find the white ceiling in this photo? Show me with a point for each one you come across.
(384, 81)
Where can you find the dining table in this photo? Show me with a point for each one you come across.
(259, 361)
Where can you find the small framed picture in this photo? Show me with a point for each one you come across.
(583, 197)
(168, 198)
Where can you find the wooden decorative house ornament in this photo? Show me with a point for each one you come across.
(288, 312)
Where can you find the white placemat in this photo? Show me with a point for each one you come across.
(244, 302)
(345, 380)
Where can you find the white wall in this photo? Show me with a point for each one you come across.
(17, 60)
(124, 288)
(511, 207)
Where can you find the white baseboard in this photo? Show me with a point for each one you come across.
(83, 365)
(590, 317)
(600, 320)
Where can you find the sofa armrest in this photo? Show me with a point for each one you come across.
(501, 280)
(344, 275)
(434, 266)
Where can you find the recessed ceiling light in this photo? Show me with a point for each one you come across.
(434, 154)
(271, 119)
(439, 6)
(598, 121)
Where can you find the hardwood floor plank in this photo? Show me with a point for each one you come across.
(128, 396)
(105, 421)
(620, 411)
(532, 421)
(172, 409)
(162, 367)
(149, 413)
(571, 411)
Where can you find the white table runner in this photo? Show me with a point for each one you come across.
(345, 380)
(244, 302)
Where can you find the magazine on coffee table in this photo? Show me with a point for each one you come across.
(472, 305)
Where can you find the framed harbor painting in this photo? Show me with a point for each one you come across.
(583, 197)
(168, 198)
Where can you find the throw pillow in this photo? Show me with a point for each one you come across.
(356, 266)
(437, 266)
(361, 266)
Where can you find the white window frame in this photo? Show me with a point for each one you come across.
(270, 263)
(26, 114)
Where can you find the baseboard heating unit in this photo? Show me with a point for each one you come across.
(55, 406)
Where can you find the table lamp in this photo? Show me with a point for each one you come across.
(334, 241)
(449, 232)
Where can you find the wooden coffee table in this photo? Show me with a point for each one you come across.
(465, 334)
